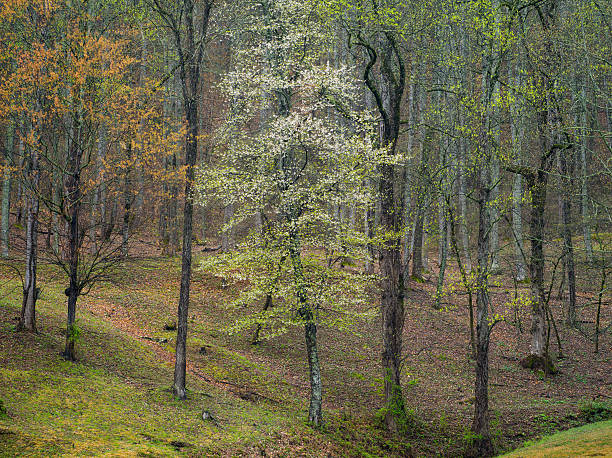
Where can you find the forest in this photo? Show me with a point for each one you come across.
(306, 228)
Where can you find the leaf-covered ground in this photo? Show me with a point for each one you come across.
(115, 400)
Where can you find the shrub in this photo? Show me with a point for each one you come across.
(596, 411)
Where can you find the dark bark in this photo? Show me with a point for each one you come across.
(550, 141)
(602, 288)
(480, 426)
(464, 278)
(369, 232)
(73, 206)
(72, 331)
(190, 48)
(183, 306)
(536, 264)
(388, 95)
(315, 415)
(418, 264)
(110, 221)
(127, 203)
(266, 306)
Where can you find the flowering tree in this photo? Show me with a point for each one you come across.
(292, 148)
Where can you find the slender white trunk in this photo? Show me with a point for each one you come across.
(6, 189)
(495, 177)
(465, 234)
(227, 238)
(464, 146)
(517, 130)
(407, 179)
(584, 173)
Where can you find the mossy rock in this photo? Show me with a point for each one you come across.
(539, 363)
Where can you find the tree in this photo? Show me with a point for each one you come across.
(187, 23)
(377, 31)
(289, 171)
(545, 101)
(70, 82)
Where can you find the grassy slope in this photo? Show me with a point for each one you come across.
(115, 400)
(589, 440)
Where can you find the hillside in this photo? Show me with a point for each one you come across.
(115, 400)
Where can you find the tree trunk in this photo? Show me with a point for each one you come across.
(306, 314)
(465, 234)
(536, 267)
(369, 222)
(138, 189)
(73, 201)
(480, 427)
(227, 238)
(517, 228)
(417, 249)
(548, 120)
(464, 149)
(517, 133)
(27, 320)
(72, 331)
(172, 222)
(127, 204)
(392, 305)
(491, 94)
(20, 186)
(602, 288)
(93, 219)
(567, 171)
(444, 190)
(584, 189)
(426, 237)
(125, 227)
(495, 267)
(190, 76)
(390, 254)
(183, 307)
(407, 179)
(443, 259)
(6, 189)
(315, 415)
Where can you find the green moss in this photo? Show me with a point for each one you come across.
(539, 364)
(115, 398)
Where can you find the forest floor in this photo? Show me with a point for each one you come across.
(115, 399)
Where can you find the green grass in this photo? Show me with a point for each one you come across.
(590, 440)
(115, 400)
